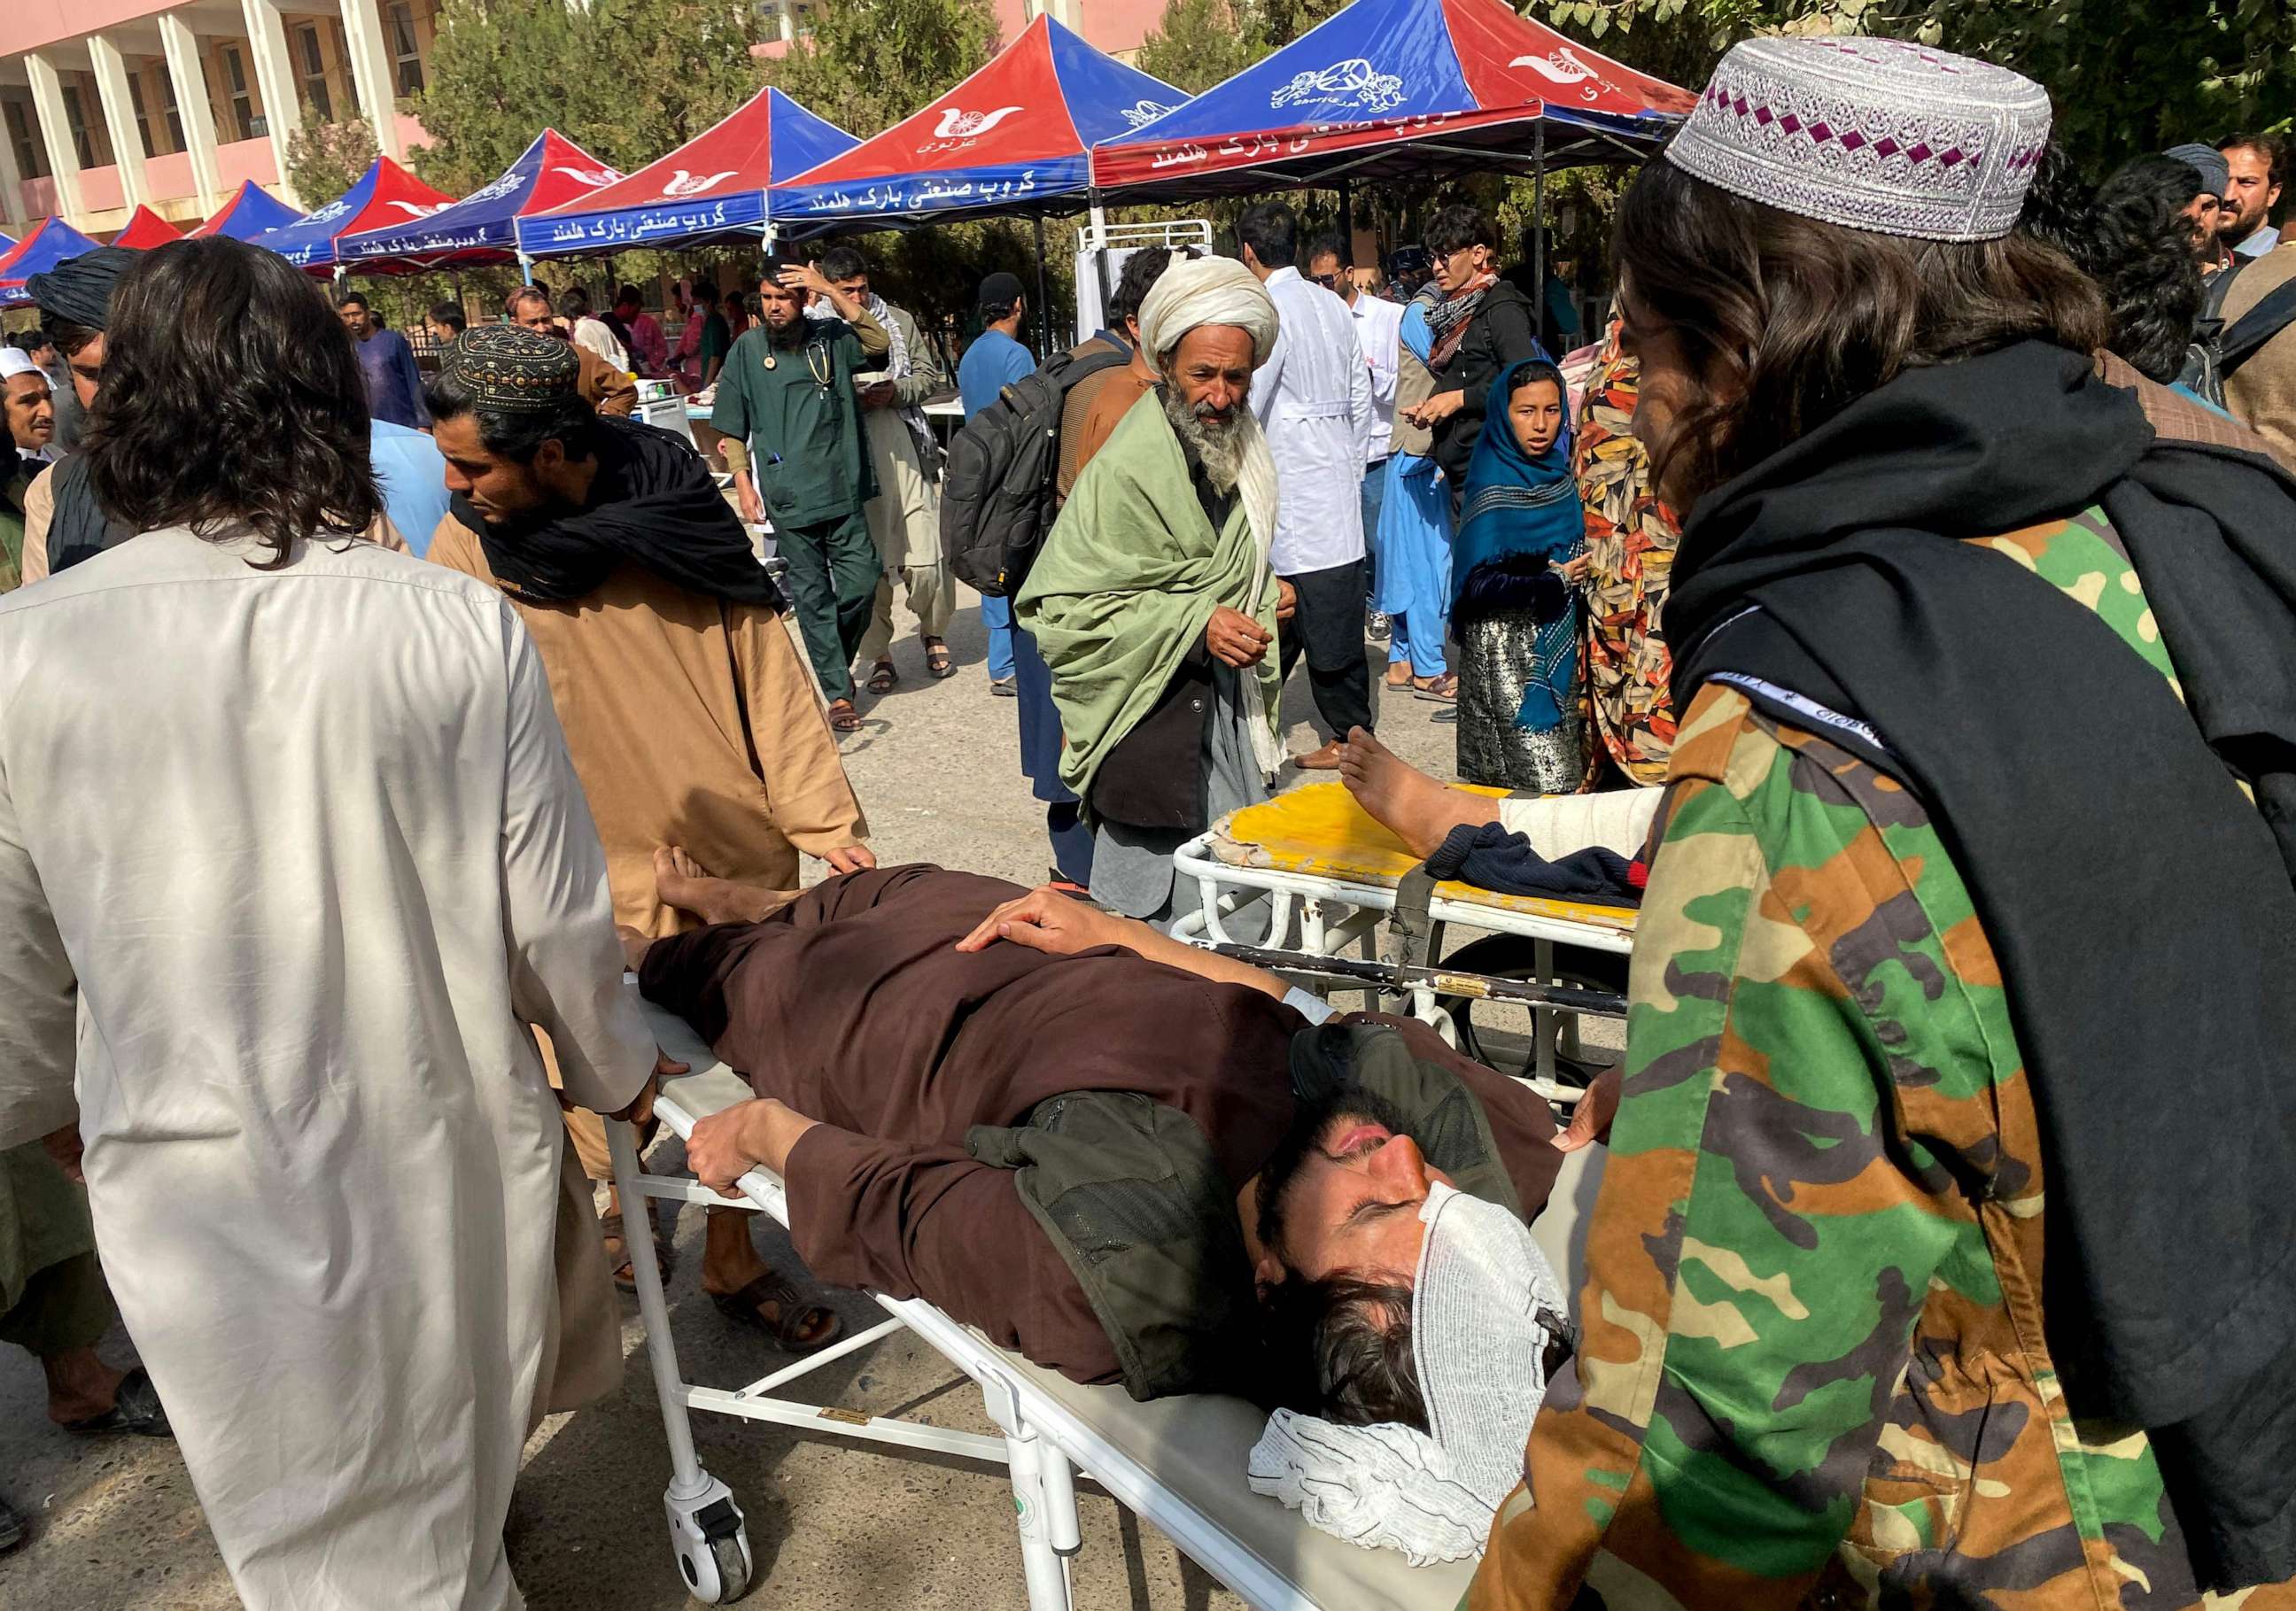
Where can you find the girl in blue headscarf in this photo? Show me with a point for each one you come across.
(1514, 609)
(1415, 530)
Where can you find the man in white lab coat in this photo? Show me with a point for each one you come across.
(288, 828)
(1378, 330)
(1314, 399)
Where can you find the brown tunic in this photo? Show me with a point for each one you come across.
(691, 721)
(852, 1006)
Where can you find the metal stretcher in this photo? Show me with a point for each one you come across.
(1315, 875)
(1178, 1463)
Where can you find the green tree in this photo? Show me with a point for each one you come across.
(325, 159)
(1200, 43)
(869, 64)
(628, 80)
(2125, 76)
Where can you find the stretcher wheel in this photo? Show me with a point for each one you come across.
(711, 1544)
(733, 1562)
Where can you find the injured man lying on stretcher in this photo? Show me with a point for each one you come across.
(1132, 1160)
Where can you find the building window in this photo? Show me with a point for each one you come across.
(173, 113)
(76, 119)
(403, 55)
(246, 125)
(315, 72)
(143, 120)
(31, 155)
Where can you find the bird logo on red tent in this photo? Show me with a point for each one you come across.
(684, 184)
(957, 124)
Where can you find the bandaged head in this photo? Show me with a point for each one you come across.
(1207, 290)
(1487, 1310)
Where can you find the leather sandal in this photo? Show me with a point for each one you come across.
(938, 661)
(883, 677)
(794, 1316)
(137, 1409)
(618, 1250)
(843, 718)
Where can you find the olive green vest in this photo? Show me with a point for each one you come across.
(1135, 1201)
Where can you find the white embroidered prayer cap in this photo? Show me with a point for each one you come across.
(14, 361)
(1881, 135)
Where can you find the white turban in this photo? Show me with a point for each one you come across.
(1207, 290)
(1221, 290)
(1485, 1308)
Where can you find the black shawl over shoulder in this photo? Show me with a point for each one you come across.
(2140, 906)
(652, 504)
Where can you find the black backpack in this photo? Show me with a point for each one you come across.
(1001, 479)
(2219, 349)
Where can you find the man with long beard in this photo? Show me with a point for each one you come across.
(1153, 603)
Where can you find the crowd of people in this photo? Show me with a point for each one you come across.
(1895, 602)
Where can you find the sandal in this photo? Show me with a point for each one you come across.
(1443, 689)
(137, 1409)
(1403, 682)
(938, 661)
(843, 718)
(796, 1316)
(883, 677)
(618, 1250)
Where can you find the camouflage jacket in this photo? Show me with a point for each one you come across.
(1813, 1369)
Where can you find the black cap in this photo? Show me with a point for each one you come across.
(1000, 289)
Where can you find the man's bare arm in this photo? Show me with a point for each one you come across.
(1045, 919)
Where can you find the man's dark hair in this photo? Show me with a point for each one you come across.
(628, 297)
(706, 290)
(1355, 1336)
(351, 299)
(449, 314)
(1272, 231)
(230, 395)
(841, 263)
(1787, 320)
(2136, 244)
(1457, 227)
(1142, 270)
(520, 295)
(574, 305)
(2272, 148)
(516, 437)
(31, 341)
(2057, 202)
(1331, 246)
(71, 337)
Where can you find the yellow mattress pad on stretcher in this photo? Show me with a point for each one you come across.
(1318, 831)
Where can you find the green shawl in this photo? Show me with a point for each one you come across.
(1126, 584)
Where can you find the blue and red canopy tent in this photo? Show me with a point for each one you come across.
(481, 229)
(386, 193)
(1014, 137)
(145, 230)
(711, 188)
(50, 242)
(252, 211)
(1395, 89)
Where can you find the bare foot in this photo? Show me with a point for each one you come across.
(80, 1386)
(682, 882)
(1409, 804)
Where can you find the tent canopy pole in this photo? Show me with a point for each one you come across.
(1539, 226)
(1044, 297)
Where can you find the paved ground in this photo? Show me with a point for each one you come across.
(832, 1524)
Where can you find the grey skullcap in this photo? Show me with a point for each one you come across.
(2216, 173)
(507, 370)
(79, 289)
(1880, 134)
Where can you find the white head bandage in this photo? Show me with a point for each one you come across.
(1485, 1307)
(1220, 291)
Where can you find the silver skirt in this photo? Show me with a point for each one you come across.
(1499, 657)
